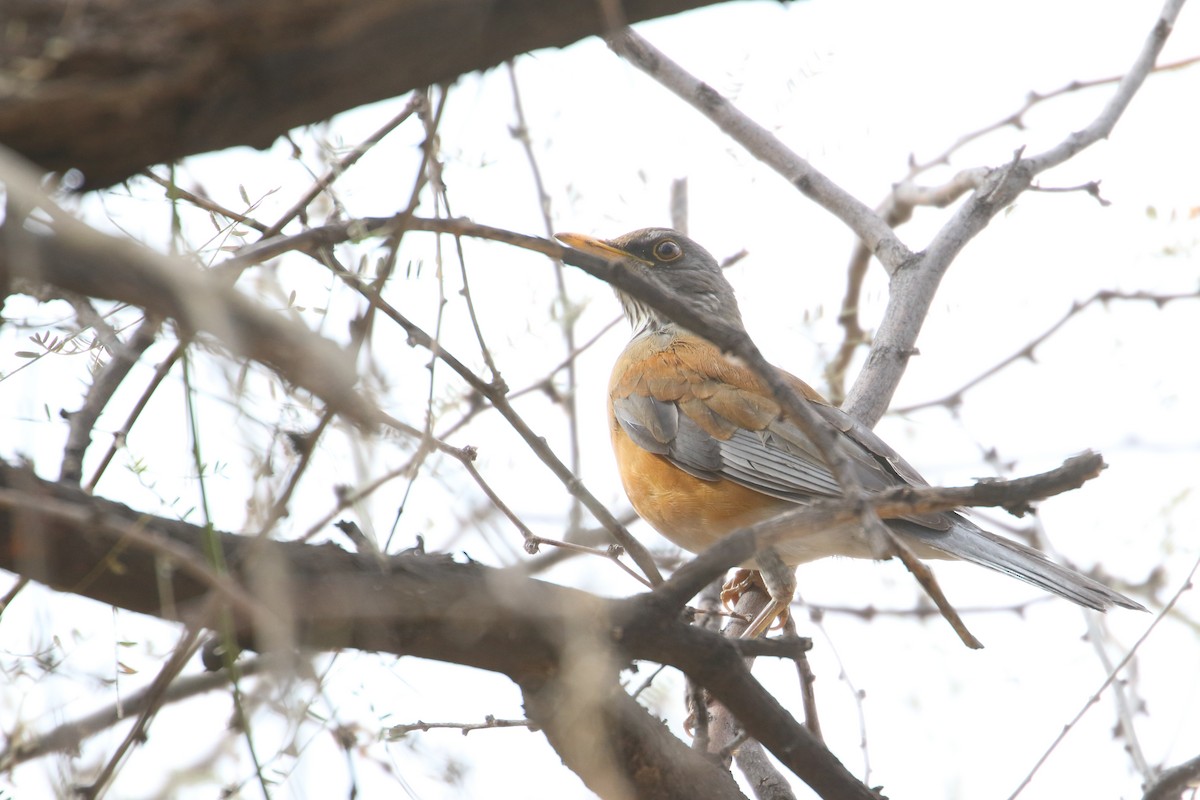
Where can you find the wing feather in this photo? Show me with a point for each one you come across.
(715, 419)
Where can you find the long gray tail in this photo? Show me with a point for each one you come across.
(971, 543)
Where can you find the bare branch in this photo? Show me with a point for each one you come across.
(182, 75)
(105, 383)
(897, 208)
(740, 546)
(393, 732)
(1186, 586)
(765, 146)
(502, 622)
(78, 258)
(913, 289)
(1017, 118)
(954, 398)
(1127, 87)
(1175, 781)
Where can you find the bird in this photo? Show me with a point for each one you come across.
(703, 449)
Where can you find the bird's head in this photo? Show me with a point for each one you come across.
(672, 260)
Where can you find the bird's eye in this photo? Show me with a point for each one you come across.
(667, 250)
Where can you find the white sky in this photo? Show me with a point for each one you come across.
(855, 87)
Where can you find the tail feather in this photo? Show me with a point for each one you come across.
(971, 543)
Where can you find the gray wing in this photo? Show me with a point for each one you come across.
(777, 459)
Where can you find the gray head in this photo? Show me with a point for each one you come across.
(678, 264)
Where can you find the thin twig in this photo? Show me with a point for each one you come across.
(119, 438)
(546, 384)
(415, 103)
(808, 694)
(70, 735)
(612, 553)
(870, 612)
(395, 732)
(103, 386)
(188, 644)
(1017, 118)
(1186, 586)
(567, 313)
(953, 399)
(764, 145)
(176, 192)
(817, 620)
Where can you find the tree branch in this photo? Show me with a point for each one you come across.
(190, 79)
(740, 546)
(764, 145)
(71, 255)
(913, 289)
(467, 614)
(425, 606)
(431, 607)
(1175, 781)
(1104, 296)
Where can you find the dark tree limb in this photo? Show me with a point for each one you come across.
(112, 88)
(552, 641)
(1175, 781)
(564, 647)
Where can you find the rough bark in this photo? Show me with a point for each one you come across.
(563, 647)
(112, 88)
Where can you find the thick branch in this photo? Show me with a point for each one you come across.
(610, 741)
(112, 88)
(1174, 782)
(426, 606)
(468, 614)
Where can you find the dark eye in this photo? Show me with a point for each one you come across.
(667, 250)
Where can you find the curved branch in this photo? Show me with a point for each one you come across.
(1174, 782)
(113, 88)
(1103, 124)
(954, 398)
(419, 605)
(913, 288)
(71, 255)
(468, 614)
(764, 145)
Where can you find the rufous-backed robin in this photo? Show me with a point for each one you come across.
(703, 448)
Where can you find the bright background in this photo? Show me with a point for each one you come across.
(856, 88)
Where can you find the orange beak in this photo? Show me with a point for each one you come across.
(596, 247)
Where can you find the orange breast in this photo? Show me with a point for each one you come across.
(690, 512)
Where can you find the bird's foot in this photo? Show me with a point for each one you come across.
(776, 580)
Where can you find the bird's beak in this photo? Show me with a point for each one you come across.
(596, 247)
